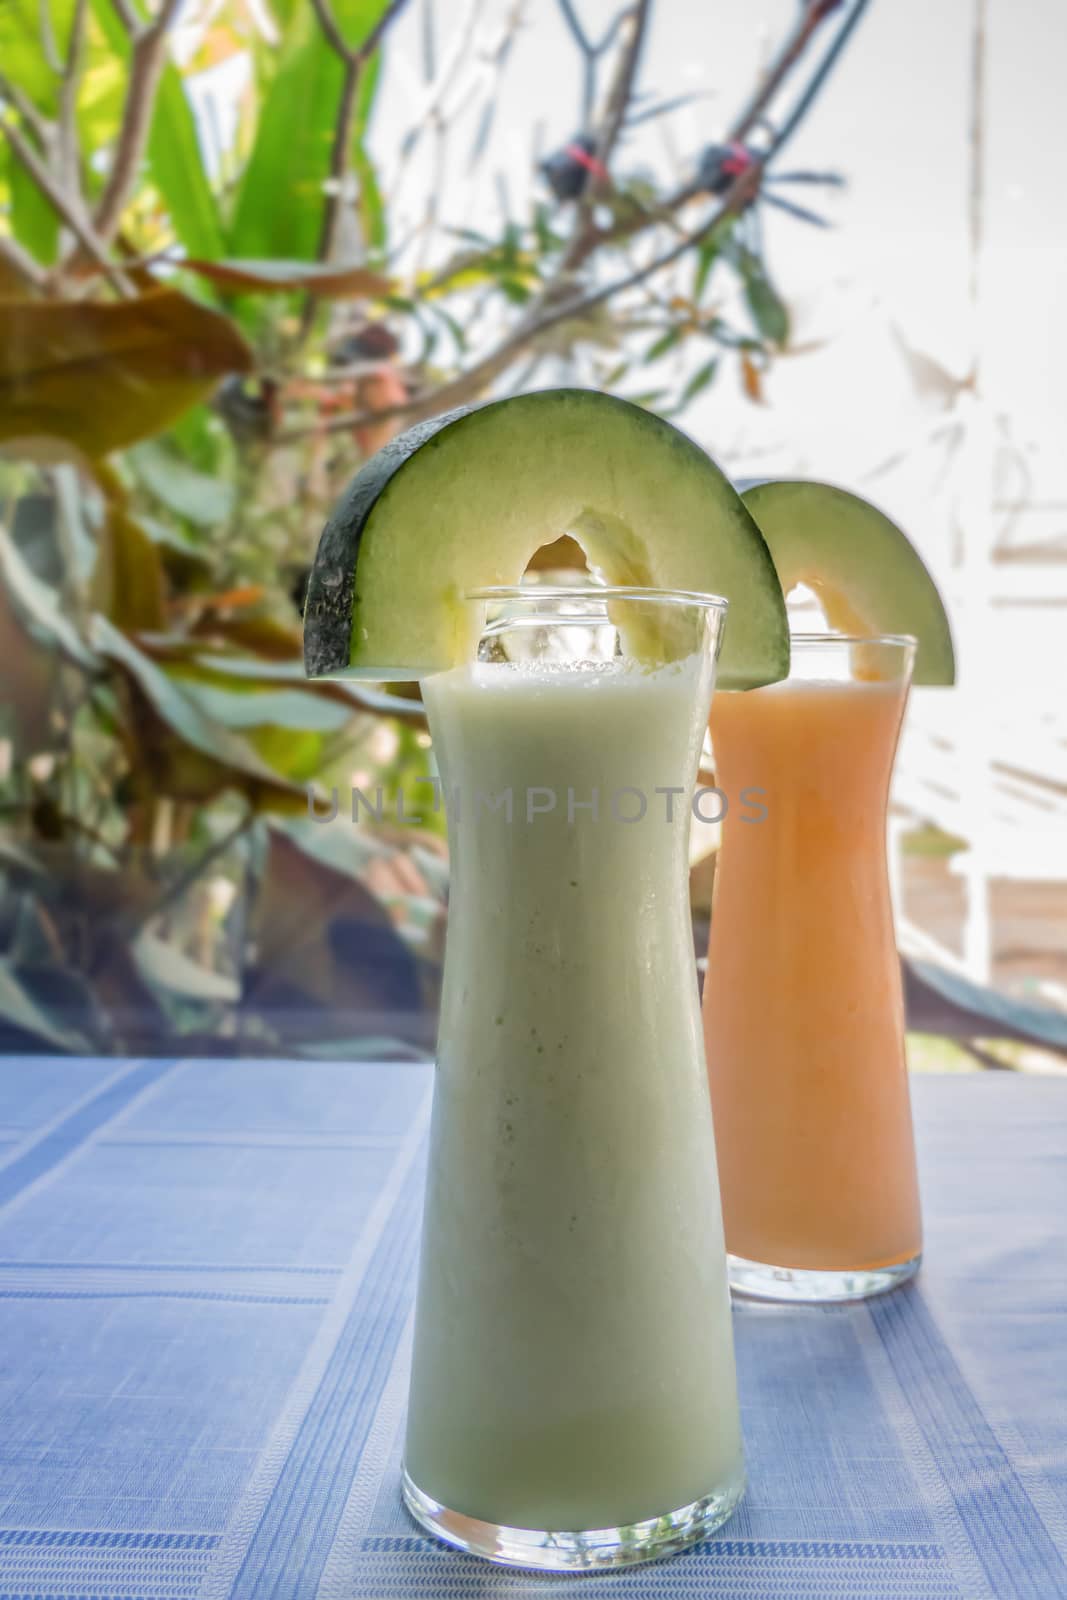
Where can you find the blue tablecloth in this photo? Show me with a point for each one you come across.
(206, 1278)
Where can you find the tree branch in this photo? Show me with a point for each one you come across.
(377, 33)
(354, 61)
(551, 309)
(823, 71)
(423, 115)
(792, 48)
(68, 212)
(126, 15)
(48, 36)
(66, 156)
(618, 100)
(149, 57)
(468, 385)
(327, 22)
(20, 101)
(622, 88)
(570, 17)
(19, 262)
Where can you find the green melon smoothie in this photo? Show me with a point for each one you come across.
(573, 1365)
(573, 1398)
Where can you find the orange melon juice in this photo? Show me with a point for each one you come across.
(803, 1013)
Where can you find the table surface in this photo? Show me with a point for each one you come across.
(206, 1275)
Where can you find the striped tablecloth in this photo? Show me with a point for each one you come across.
(206, 1275)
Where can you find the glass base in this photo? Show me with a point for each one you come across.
(759, 1281)
(566, 1551)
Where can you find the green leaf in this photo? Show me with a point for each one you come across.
(701, 380)
(168, 968)
(176, 162)
(362, 696)
(19, 1008)
(39, 608)
(372, 213)
(548, 240)
(185, 557)
(178, 710)
(13, 858)
(705, 260)
(252, 707)
(280, 203)
(660, 346)
(768, 310)
(515, 291)
(175, 157)
(354, 282)
(33, 221)
(370, 203)
(459, 338)
(102, 374)
(129, 581)
(200, 499)
(21, 52)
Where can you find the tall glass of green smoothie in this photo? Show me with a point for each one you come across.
(573, 1395)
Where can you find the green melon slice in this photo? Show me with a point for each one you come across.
(867, 574)
(465, 500)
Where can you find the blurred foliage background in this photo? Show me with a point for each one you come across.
(203, 330)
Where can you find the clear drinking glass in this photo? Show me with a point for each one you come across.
(573, 1398)
(803, 1008)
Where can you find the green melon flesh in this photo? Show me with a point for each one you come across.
(867, 574)
(466, 500)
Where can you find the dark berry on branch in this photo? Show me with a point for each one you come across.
(250, 410)
(720, 164)
(568, 171)
(374, 341)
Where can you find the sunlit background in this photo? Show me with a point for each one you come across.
(888, 317)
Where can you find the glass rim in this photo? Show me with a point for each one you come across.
(532, 592)
(895, 640)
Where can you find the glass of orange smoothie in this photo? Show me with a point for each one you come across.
(803, 1008)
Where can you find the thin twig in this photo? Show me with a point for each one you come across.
(126, 15)
(48, 37)
(790, 52)
(65, 209)
(570, 17)
(337, 195)
(615, 108)
(354, 60)
(622, 88)
(22, 264)
(588, 52)
(377, 33)
(334, 37)
(17, 97)
(810, 94)
(185, 880)
(422, 114)
(149, 58)
(607, 38)
(67, 141)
